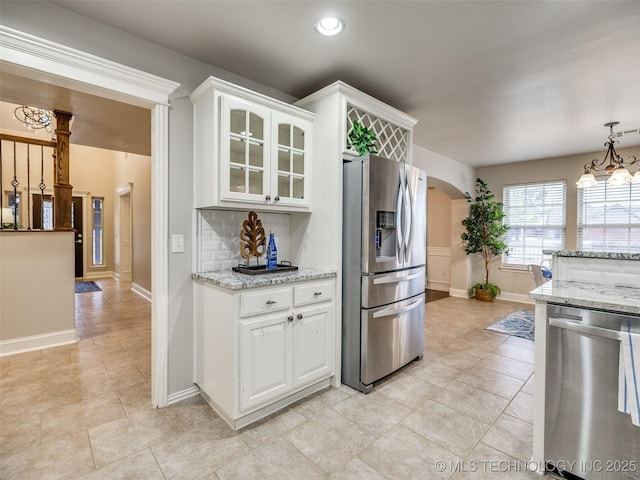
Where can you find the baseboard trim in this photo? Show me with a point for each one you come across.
(440, 286)
(456, 292)
(183, 395)
(439, 251)
(143, 292)
(515, 297)
(100, 274)
(38, 342)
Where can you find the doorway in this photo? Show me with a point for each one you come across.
(78, 227)
(91, 74)
(124, 234)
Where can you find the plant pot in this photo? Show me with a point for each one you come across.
(484, 295)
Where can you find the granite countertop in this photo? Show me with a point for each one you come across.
(578, 253)
(238, 281)
(591, 295)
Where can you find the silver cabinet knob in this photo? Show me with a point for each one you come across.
(267, 198)
(270, 302)
(290, 318)
(299, 316)
(317, 294)
(277, 199)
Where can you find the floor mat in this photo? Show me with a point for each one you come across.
(518, 323)
(83, 287)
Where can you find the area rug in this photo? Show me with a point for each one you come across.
(83, 287)
(518, 323)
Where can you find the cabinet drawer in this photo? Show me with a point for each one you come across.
(265, 302)
(316, 292)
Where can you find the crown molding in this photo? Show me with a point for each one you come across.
(20, 52)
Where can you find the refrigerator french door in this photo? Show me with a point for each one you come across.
(384, 257)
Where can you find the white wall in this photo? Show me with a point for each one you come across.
(36, 290)
(459, 176)
(516, 284)
(438, 239)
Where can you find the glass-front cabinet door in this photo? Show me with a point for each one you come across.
(290, 165)
(245, 167)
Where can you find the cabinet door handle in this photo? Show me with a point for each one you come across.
(317, 294)
(290, 318)
(299, 316)
(270, 302)
(277, 199)
(268, 198)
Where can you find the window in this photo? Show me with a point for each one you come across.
(609, 218)
(535, 213)
(97, 231)
(13, 203)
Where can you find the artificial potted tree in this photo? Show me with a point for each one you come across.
(484, 234)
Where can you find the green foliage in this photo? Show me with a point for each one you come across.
(484, 229)
(492, 288)
(362, 139)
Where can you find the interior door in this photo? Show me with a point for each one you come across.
(77, 225)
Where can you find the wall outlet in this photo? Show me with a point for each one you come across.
(177, 243)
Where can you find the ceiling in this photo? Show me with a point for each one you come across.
(97, 122)
(489, 81)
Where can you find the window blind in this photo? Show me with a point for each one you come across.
(535, 213)
(609, 218)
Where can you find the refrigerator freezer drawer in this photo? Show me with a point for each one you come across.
(392, 336)
(385, 288)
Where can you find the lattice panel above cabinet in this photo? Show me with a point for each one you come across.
(392, 141)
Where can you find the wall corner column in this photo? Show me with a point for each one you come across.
(62, 190)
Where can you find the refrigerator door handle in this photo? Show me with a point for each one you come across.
(408, 216)
(397, 278)
(387, 312)
(399, 220)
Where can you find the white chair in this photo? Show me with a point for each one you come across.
(536, 274)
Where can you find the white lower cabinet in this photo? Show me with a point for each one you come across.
(265, 360)
(265, 348)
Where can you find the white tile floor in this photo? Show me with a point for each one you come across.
(84, 411)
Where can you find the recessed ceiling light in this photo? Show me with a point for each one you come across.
(329, 26)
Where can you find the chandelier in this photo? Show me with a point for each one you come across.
(616, 168)
(34, 118)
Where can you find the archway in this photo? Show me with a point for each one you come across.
(447, 264)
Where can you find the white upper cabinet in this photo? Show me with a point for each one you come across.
(250, 150)
(244, 157)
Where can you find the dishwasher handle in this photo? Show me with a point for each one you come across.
(588, 329)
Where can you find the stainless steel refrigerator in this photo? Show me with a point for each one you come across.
(383, 268)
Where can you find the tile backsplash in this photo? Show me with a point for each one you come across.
(219, 238)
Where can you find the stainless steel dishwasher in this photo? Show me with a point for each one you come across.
(585, 434)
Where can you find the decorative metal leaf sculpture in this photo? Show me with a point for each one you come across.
(253, 240)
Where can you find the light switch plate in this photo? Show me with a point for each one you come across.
(177, 243)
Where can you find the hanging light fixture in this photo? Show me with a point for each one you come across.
(616, 168)
(34, 118)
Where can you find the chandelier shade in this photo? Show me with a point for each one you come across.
(612, 164)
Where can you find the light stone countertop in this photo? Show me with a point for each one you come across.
(579, 253)
(590, 295)
(238, 281)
